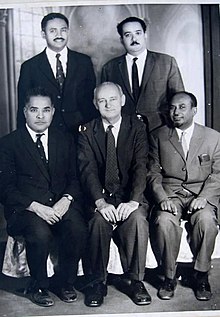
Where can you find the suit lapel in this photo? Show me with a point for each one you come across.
(123, 137)
(52, 151)
(99, 135)
(195, 143)
(45, 68)
(149, 65)
(71, 69)
(174, 140)
(31, 148)
(124, 74)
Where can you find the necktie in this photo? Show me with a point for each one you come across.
(40, 147)
(184, 143)
(59, 73)
(111, 170)
(135, 81)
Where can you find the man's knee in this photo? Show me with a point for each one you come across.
(205, 219)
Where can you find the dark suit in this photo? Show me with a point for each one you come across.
(26, 179)
(161, 78)
(182, 180)
(75, 105)
(132, 149)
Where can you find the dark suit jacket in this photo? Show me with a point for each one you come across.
(24, 177)
(169, 171)
(161, 78)
(75, 106)
(132, 150)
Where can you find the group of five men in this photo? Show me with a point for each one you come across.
(88, 194)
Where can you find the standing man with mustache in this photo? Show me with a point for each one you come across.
(66, 74)
(147, 78)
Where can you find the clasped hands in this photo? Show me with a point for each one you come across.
(196, 204)
(50, 214)
(112, 214)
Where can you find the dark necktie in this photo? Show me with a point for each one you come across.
(135, 81)
(40, 147)
(111, 170)
(59, 73)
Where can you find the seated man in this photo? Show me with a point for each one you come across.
(112, 160)
(184, 177)
(42, 197)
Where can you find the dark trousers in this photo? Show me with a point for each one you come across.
(130, 236)
(71, 234)
(166, 235)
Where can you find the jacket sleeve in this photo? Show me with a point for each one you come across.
(211, 187)
(139, 164)
(175, 82)
(11, 196)
(24, 84)
(88, 167)
(73, 184)
(154, 175)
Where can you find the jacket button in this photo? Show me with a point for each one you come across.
(58, 97)
(50, 199)
(63, 110)
(184, 169)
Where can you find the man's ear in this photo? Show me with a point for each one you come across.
(95, 104)
(123, 98)
(194, 110)
(43, 34)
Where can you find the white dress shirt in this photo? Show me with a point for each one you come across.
(140, 66)
(51, 55)
(187, 133)
(44, 139)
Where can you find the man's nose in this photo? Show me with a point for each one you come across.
(40, 114)
(107, 104)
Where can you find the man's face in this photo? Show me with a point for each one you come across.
(134, 38)
(39, 113)
(181, 111)
(109, 102)
(56, 34)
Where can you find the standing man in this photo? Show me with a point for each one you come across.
(67, 75)
(112, 160)
(42, 197)
(184, 177)
(147, 78)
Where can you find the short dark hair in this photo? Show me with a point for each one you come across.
(52, 16)
(189, 94)
(131, 19)
(37, 91)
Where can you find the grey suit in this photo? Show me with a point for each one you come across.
(161, 78)
(172, 176)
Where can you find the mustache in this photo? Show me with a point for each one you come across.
(59, 38)
(134, 43)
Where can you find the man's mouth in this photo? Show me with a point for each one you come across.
(135, 43)
(59, 39)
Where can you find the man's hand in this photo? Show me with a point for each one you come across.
(44, 212)
(197, 203)
(168, 205)
(61, 207)
(125, 209)
(107, 211)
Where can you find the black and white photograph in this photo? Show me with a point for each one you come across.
(109, 158)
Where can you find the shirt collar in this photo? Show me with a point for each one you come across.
(33, 133)
(115, 125)
(188, 131)
(52, 54)
(141, 56)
